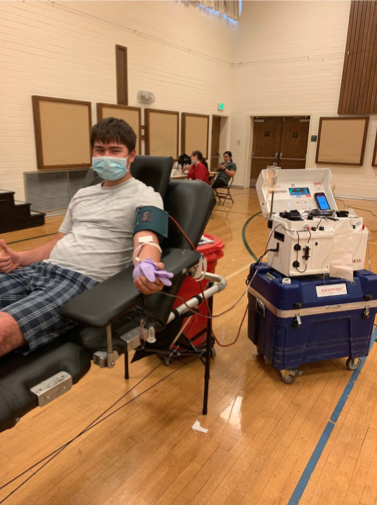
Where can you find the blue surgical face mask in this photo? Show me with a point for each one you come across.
(111, 168)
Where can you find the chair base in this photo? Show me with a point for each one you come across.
(205, 351)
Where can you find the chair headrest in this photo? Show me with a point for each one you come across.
(154, 171)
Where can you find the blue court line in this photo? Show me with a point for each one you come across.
(312, 463)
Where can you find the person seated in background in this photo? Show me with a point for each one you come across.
(226, 170)
(95, 241)
(199, 168)
(184, 160)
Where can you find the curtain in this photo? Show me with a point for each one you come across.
(230, 8)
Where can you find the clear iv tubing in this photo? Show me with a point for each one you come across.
(243, 294)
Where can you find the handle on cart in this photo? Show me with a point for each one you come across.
(260, 308)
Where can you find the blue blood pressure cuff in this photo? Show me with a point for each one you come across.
(153, 219)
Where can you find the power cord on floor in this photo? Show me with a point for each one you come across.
(47, 459)
(92, 425)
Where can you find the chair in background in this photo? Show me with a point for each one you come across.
(224, 193)
(214, 177)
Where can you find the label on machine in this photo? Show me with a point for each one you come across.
(331, 290)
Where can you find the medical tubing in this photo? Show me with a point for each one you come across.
(92, 425)
(191, 309)
(204, 298)
(98, 420)
(183, 233)
(81, 433)
(89, 427)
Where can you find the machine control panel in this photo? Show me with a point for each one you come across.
(305, 224)
(293, 196)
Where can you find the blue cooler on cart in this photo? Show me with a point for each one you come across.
(293, 321)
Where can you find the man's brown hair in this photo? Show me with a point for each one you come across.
(111, 129)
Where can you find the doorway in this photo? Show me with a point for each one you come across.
(219, 140)
(280, 140)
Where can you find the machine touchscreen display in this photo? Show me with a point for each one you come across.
(299, 191)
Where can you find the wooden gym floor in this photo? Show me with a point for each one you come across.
(264, 438)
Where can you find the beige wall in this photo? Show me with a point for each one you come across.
(281, 58)
(224, 135)
(288, 61)
(67, 50)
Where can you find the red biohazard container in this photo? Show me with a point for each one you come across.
(196, 330)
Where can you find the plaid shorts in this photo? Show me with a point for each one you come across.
(33, 296)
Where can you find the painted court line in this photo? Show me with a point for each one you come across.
(312, 463)
(31, 238)
(238, 272)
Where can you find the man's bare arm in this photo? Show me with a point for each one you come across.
(39, 253)
(10, 260)
(147, 251)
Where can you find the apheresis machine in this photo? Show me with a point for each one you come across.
(308, 234)
(312, 300)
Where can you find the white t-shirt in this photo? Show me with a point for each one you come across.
(99, 227)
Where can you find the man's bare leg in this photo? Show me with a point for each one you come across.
(11, 337)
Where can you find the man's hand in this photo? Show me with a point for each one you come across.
(9, 259)
(146, 287)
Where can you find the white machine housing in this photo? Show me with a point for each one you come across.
(317, 234)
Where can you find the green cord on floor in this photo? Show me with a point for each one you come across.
(249, 250)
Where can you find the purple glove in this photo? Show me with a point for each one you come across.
(149, 269)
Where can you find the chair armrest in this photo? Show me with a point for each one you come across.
(113, 297)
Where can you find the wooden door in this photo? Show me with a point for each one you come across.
(266, 144)
(294, 142)
(215, 142)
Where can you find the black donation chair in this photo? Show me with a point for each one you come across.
(104, 331)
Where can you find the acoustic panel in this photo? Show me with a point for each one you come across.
(62, 132)
(162, 133)
(342, 140)
(195, 130)
(132, 116)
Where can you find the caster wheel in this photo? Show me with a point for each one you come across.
(213, 353)
(260, 353)
(289, 379)
(353, 363)
(167, 361)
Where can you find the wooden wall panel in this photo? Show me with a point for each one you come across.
(162, 131)
(359, 81)
(195, 133)
(341, 140)
(132, 116)
(62, 132)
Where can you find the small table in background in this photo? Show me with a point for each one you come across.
(184, 176)
(179, 176)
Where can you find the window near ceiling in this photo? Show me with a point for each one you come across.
(231, 9)
(122, 74)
